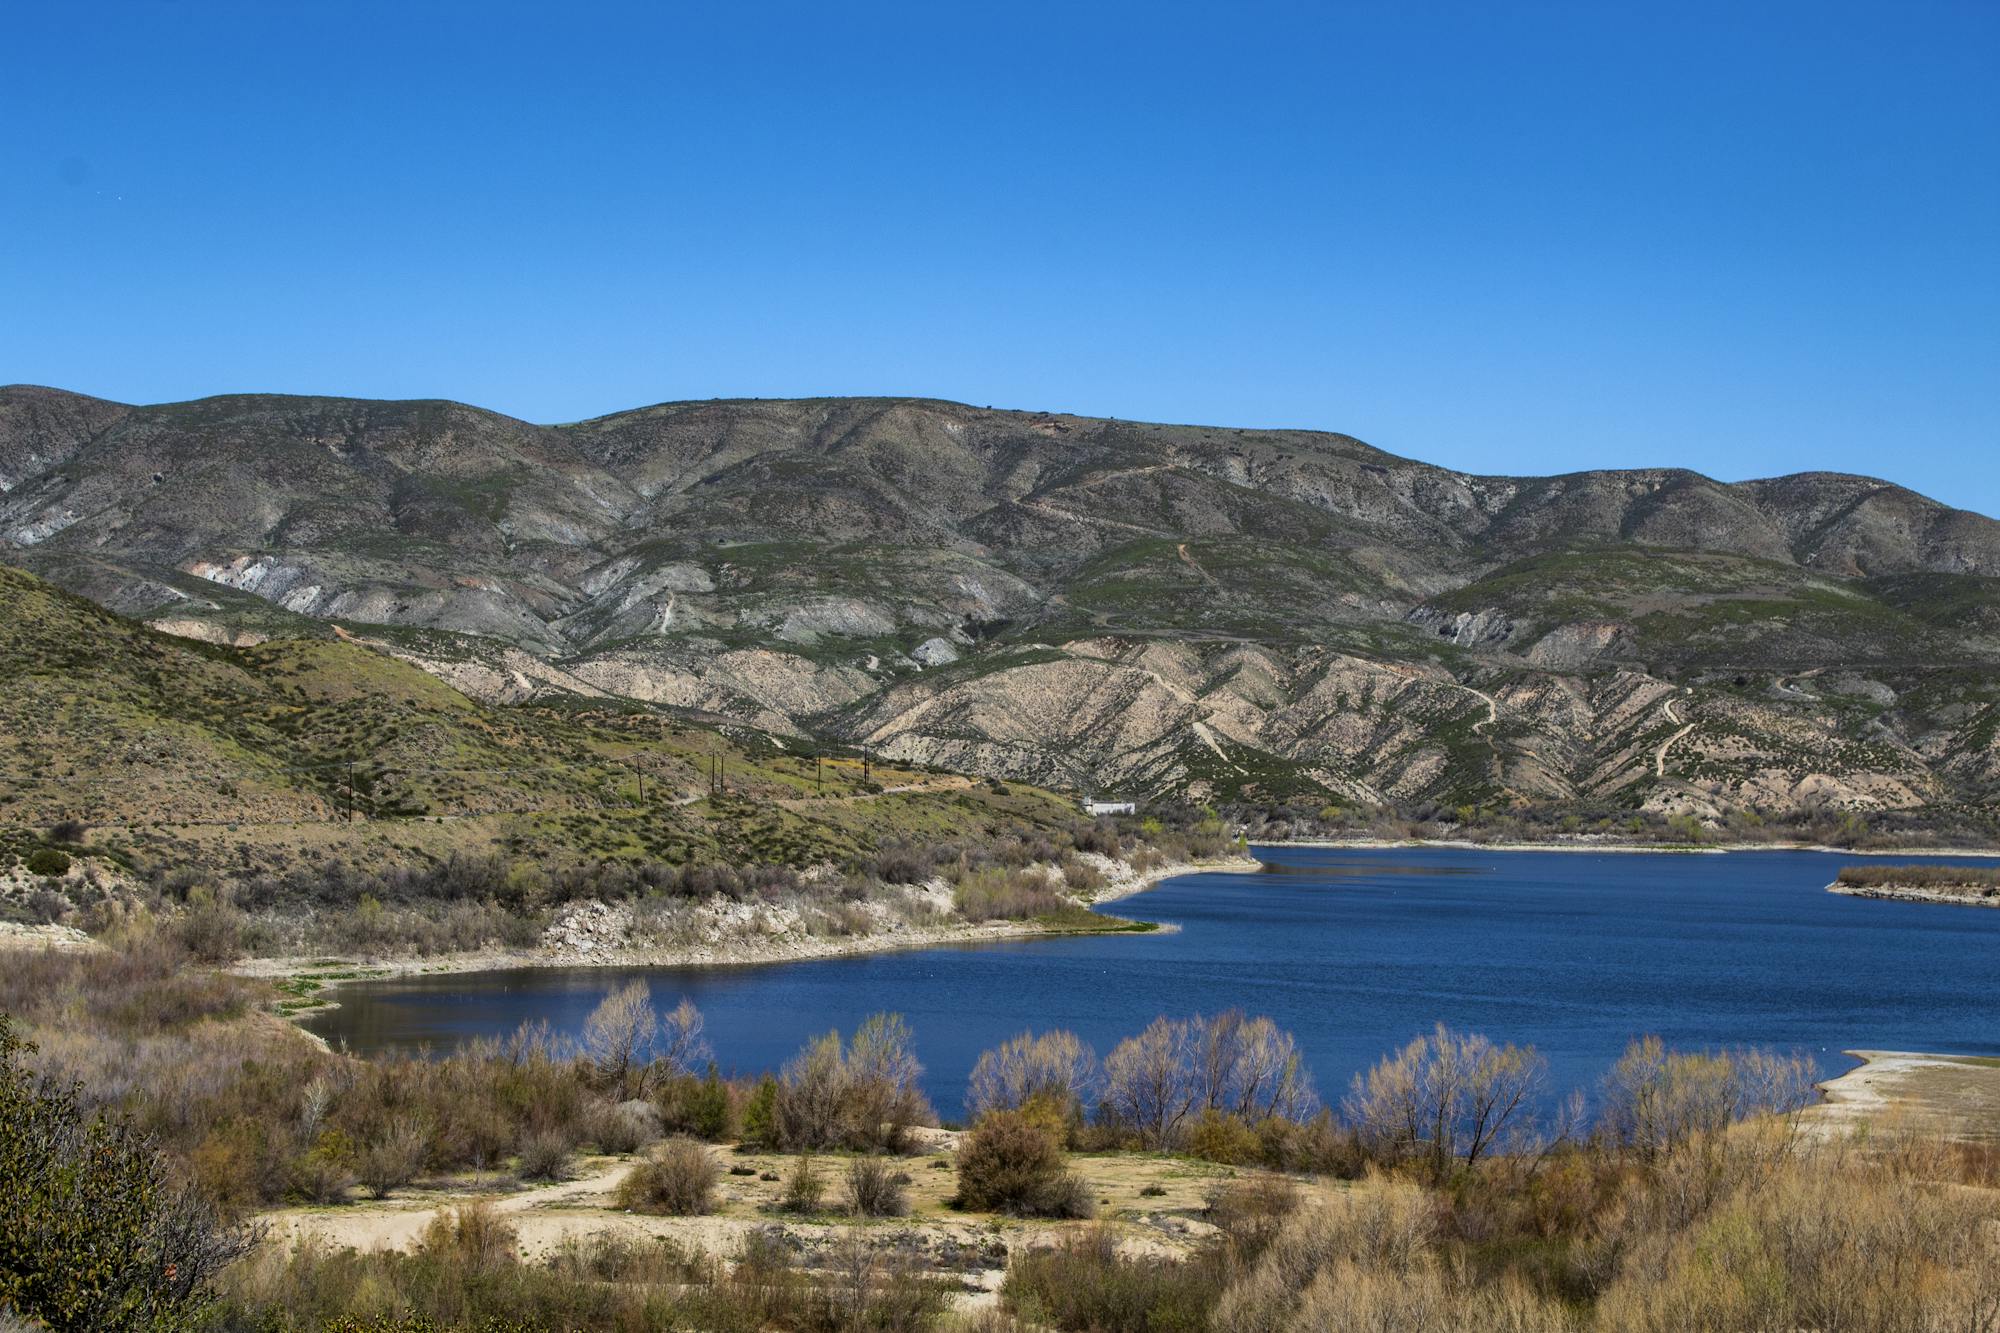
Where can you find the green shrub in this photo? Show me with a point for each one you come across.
(806, 1187)
(760, 1114)
(48, 861)
(94, 1232)
(1013, 1163)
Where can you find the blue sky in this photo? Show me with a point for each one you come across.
(1748, 239)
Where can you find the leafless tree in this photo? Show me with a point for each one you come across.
(682, 1045)
(1149, 1081)
(885, 1096)
(1450, 1095)
(620, 1033)
(1056, 1066)
(812, 1090)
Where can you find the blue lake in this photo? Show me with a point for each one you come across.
(1355, 951)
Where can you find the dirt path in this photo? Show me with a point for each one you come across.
(954, 783)
(1194, 564)
(1479, 730)
(1660, 756)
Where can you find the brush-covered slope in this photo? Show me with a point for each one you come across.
(1065, 599)
(160, 744)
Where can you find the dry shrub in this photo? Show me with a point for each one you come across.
(1084, 1283)
(623, 1127)
(547, 1155)
(472, 1238)
(393, 1161)
(1829, 1240)
(1383, 1226)
(1348, 1298)
(874, 1189)
(676, 1180)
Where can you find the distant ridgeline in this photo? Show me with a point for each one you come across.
(1282, 620)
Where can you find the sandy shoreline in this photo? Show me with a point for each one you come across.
(1467, 844)
(1955, 1095)
(744, 951)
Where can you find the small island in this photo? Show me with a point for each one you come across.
(1970, 886)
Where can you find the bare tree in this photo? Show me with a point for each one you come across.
(1656, 1099)
(682, 1045)
(1056, 1066)
(619, 1033)
(812, 1089)
(884, 1094)
(1149, 1082)
(1450, 1095)
(1250, 1067)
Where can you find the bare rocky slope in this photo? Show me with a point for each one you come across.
(1081, 602)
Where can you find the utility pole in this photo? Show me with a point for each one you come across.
(819, 773)
(642, 786)
(350, 791)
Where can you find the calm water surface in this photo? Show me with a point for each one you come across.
(1355, 952)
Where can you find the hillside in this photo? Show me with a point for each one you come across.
(1069, 601)
(292, 753)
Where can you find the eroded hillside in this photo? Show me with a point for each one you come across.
(1072, 601)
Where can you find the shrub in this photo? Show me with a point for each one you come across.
(547, 1155)
(47, 861)
(324, 1173)
(874, 1190)
(806, 1187)
(94, 1232)
(1218, 1137)
(393, 1161)
(676, 1180)
(473, 1239)
(697, 1107)
(1084, 1284)
(1013, 1164)
(625, 1127)
(760, 1114)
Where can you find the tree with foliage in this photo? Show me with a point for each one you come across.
(94, 1231)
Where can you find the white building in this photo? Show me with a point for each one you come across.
(1093, 806)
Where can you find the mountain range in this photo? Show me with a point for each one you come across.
(1083, 603)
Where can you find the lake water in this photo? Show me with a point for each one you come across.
(1355, 951)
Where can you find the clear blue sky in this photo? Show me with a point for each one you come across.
(1745, 238)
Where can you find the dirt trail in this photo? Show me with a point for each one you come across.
(953, 783)
(1660, 756)
(1194, 564)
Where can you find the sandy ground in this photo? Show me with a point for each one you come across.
(971, 1247)
(747, 948)
(1954, 1095)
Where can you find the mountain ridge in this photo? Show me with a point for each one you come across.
(922, 576)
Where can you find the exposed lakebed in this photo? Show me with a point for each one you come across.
(1355, 951)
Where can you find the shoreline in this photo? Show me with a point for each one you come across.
(748, 951)
(1621, 848)
(1956, 1095)
(1914, 893)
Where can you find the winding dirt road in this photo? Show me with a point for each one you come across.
(1660, 756)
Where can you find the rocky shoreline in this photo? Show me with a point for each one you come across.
(588, 935)
(1970, 896)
